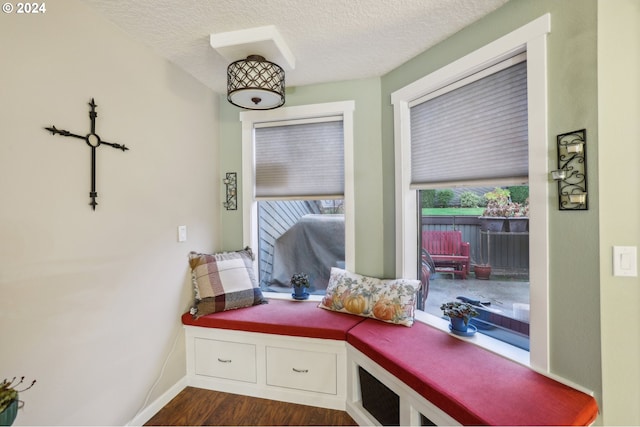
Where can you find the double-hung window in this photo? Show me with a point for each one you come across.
(479, 122)
(297, 199)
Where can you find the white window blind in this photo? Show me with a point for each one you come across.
(474, 133)
(300, 160)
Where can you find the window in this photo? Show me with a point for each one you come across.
(529, 40)
(494, 276)
(296, 195)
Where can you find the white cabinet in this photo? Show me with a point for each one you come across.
(223, 359)
(307, 371)
(302, 370)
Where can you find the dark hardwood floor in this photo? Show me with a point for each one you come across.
(199, 407)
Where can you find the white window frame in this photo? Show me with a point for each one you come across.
(531, 38)
(304, 112)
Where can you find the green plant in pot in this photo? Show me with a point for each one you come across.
(459, 314)
(9, 402)
(518, 214)
(300, 283)
(496, 210)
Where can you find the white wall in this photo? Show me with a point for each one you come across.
(90, 301)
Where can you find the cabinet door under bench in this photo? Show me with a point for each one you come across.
(225, 359)
(302, 370)
(308, 371)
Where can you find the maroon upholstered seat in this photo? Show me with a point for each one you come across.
(282, 317)
(469, 383)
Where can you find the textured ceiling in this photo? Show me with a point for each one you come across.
(331, 40)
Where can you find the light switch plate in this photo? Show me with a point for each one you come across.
(182, 233)
(625, 261)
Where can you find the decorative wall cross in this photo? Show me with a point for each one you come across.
(93, 140)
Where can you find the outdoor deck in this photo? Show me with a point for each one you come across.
(502, 293)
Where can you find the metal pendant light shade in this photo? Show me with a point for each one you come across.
(255, 84)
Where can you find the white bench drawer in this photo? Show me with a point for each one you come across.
(224, 359)
(303, 370)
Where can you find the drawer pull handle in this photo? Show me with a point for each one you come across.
(300, 371)
(224, 360)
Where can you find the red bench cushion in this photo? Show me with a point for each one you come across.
(469, 383)
(282, 317)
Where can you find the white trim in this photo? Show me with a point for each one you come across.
(509, 62)
(250, 119)
(148, 412)
(530, 38)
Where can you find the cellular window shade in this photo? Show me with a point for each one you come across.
(301, 160)
(477, 132)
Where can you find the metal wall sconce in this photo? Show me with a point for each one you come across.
(232, 191)
(572, 171)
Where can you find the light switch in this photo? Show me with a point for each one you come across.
(625, 261)
(182, 233)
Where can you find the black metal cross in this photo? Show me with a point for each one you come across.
(94, 141)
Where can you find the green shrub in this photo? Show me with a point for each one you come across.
(519, 193)
(499, 195)
(444, 197)
(428, 198)
(469, 199)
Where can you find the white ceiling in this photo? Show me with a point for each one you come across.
(331, 40)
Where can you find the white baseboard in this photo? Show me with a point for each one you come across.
(145, 414)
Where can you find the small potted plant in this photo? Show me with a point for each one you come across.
(496, 211)
(518, 216)
(459, 314)
(9, 402)
(300, 283)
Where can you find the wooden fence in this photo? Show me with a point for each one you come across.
(508, 253)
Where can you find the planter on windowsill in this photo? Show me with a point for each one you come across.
(300, 284)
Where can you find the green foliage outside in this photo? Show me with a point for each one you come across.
(428, 198)
(444, 197)
(452, 211)
(469, 199)
(498, 194)
(519, 193)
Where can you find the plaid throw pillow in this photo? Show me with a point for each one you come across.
(223, 281)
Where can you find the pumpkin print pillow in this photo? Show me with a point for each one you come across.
(388, 300)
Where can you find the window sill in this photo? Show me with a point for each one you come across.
(503, 349)
(286, 296)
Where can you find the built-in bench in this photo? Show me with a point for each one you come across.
(470, 384)
(290, 350)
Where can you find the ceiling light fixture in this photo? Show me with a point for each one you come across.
(255, 84)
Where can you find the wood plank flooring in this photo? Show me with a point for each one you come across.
(199, 407)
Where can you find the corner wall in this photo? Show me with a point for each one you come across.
(90, 301)
(619, 155)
